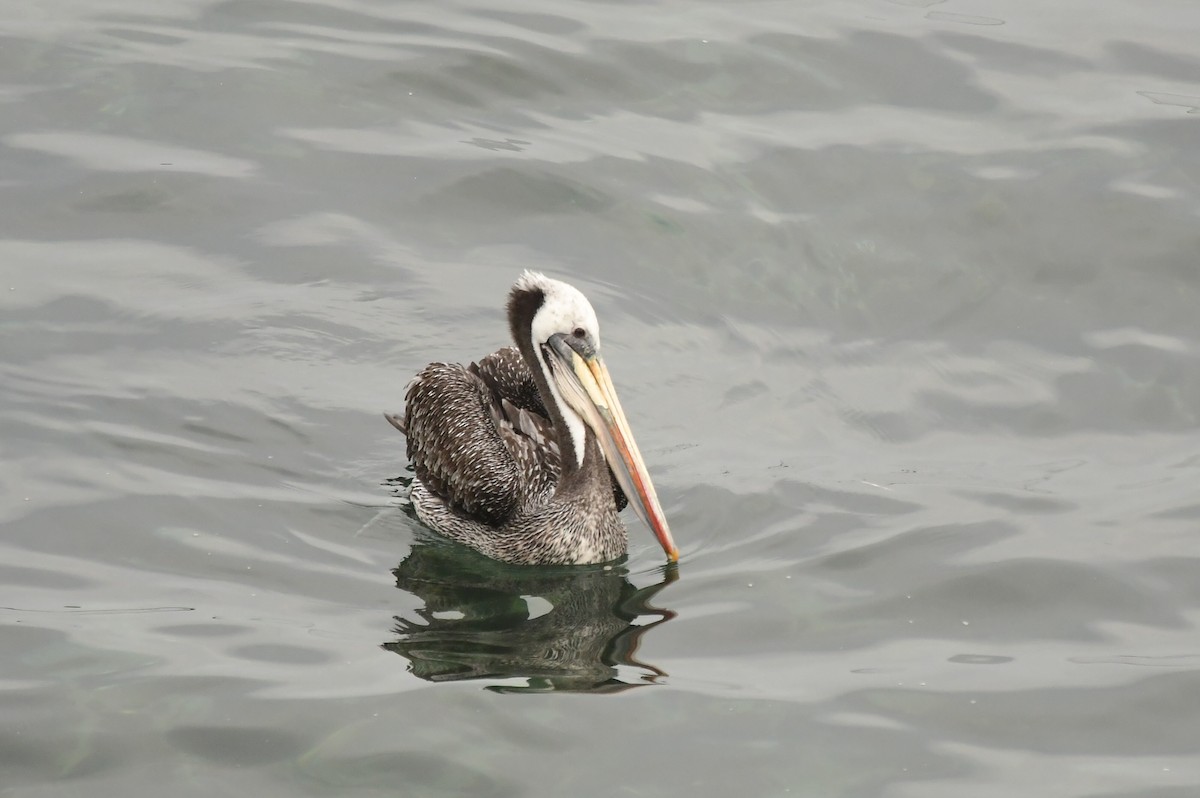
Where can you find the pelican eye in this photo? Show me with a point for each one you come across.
(579, 332)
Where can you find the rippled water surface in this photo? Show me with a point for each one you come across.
(902, 298)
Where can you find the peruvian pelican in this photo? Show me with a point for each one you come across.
(526, 456)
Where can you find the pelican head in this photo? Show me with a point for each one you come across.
(559, 327)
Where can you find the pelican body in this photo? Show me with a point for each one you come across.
(526, 456)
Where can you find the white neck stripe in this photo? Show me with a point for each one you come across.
(573, 421)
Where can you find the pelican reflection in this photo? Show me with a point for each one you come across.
(571, 628)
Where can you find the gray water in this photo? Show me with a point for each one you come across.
(901, 298)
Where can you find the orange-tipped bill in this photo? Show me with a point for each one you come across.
(586, 386)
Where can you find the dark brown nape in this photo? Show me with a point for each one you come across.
(523, 305)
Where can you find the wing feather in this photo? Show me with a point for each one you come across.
(507, 375)
(478, 436)
(455, 447)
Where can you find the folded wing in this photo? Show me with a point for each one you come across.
(478, 436)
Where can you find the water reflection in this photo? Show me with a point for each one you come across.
(567, 628)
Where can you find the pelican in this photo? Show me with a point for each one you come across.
(526, 456)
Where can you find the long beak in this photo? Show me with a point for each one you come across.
(585, 384)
